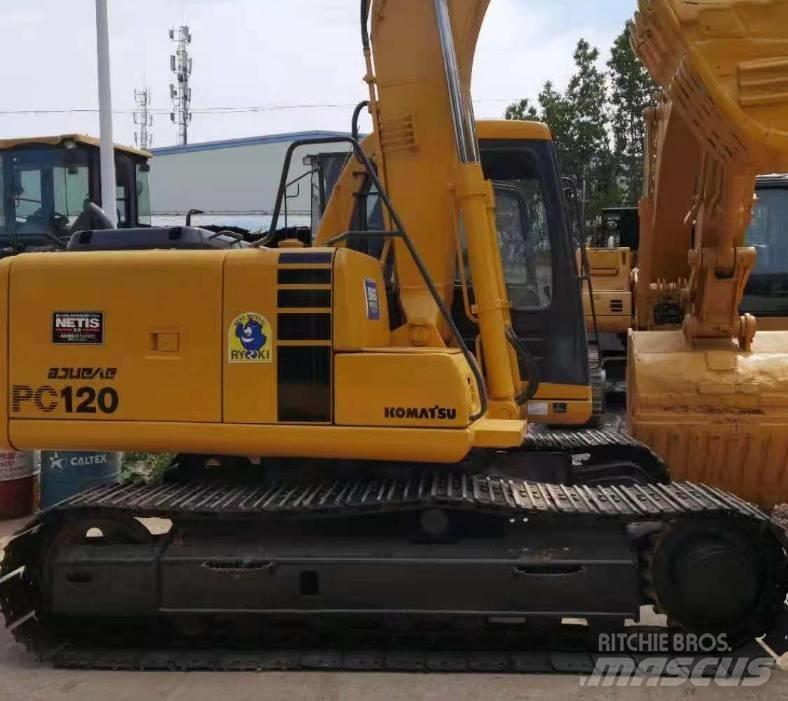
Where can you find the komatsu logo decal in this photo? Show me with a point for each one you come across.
(439, 413)
(249, 339)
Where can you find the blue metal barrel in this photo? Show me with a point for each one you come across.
(66, 472)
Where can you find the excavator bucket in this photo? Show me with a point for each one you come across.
(724, 64)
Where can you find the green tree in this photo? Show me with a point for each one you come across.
(522, 109)
(596, 106)
(557, 112)
(632, 91)
(590, 161)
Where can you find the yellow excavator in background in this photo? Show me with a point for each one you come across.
(612, 261)
(711, 396)
(351, 473)
(706, 396)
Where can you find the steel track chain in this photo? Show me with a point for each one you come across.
(449, 489)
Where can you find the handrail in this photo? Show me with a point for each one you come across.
(399, 232)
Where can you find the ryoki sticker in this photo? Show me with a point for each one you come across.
(249, 339)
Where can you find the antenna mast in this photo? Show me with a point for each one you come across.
(143, 119)
(180, 92)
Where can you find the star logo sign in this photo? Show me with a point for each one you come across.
(55, 462)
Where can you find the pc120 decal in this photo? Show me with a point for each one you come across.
(249, 339)
(73, 398)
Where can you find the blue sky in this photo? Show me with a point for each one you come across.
(261, 53)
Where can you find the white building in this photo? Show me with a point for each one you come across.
(232, 177)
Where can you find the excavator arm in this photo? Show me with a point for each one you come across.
(671, 168)
(723, 67)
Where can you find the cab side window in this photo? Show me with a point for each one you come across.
(524, 242)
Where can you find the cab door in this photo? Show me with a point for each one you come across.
(539, 268)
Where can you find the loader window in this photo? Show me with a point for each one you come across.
(766, 293)
(3, 224)
(143, 195)
(47, 188)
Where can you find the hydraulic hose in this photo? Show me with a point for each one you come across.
(529, 363)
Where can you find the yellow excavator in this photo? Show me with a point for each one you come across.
(710, 396)
(394, 496)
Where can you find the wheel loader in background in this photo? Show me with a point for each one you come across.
(393, 494)
(51, 189)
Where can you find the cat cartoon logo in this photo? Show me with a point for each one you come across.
(249, 339)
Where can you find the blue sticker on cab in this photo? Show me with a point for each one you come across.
(373, 302)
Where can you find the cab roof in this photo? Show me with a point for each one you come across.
(491, 129)
(6, 144)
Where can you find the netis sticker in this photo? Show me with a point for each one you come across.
(373, 302)
(79, 328)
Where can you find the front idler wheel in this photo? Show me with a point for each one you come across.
(713, 578)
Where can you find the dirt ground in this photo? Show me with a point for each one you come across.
(23, 678)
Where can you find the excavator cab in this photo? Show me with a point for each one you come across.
(539, 268)
(48, 183)
(619, 229)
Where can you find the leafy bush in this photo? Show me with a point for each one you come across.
(144, 467)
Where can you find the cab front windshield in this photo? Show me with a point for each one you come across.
(766, 293)
(44, 190)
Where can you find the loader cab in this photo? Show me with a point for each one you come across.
(619, 228)
(47, 181)
(766, 294)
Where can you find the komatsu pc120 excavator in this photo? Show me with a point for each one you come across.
(394, 493)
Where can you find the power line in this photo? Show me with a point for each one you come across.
(212, 110)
